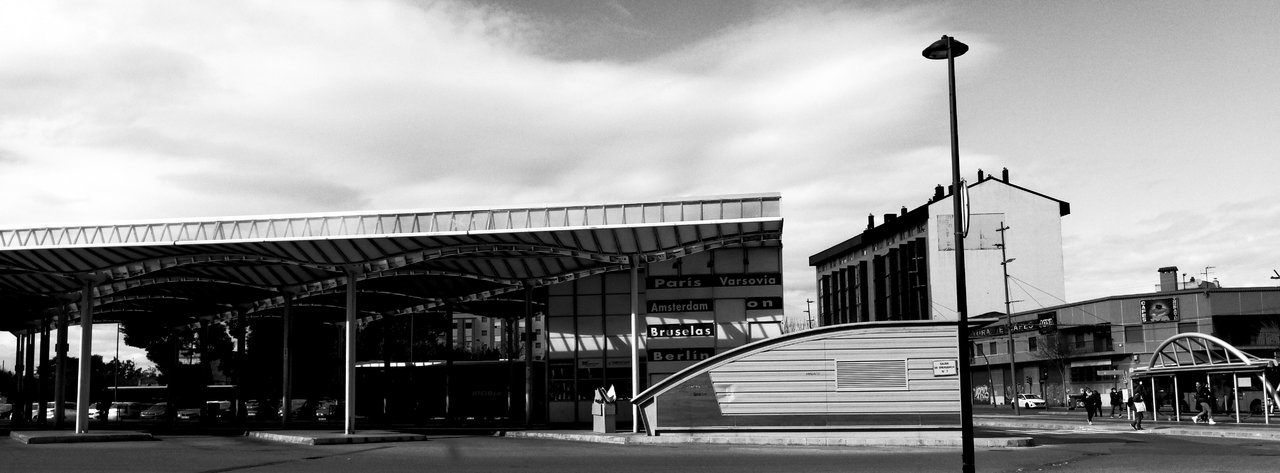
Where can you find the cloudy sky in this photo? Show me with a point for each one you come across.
(1159, 121)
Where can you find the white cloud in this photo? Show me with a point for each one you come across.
(161, 109)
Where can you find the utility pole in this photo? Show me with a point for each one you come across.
(808, 301)
(1008, 318)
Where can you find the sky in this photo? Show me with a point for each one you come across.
(1156, 120)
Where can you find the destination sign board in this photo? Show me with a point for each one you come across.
(713, 280)
(682, 330)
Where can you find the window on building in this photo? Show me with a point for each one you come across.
(1187, 327)
(469, 324)
(1078, 340)
(1031, 344)
(1133, 334)
(992, 347)
(1086, 374)
(977, 349)
(1102, 340)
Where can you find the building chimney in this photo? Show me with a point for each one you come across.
(981, 175)
(871, 221)
(1168, 278)
(903, 211)
(937, 193)
(1004, 175)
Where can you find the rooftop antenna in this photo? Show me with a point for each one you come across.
(1206, 272)
(1277, 276)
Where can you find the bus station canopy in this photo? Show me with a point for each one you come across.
(182, 272)
(1194, 352)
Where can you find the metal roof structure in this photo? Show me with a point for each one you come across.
(1201, 353)
(188, 271)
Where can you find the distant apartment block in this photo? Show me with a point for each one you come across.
(904, 267)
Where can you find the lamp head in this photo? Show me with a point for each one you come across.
(938, 50)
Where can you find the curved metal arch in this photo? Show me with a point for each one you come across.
(332, 285)
(711, 245)
(435, 272)
(105, 292)
(1207, 345)
(505, 290)
(421, 256)
(142, 268)
(113, 287)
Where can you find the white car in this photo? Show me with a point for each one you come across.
(1030, 401)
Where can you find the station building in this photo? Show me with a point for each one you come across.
(1112, 341)
(618, 294)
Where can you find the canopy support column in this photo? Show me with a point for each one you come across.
(42, 374)
(20, 405)
(59, 375)
(1235, 394)
(31, 382)
(448, 368)
(286, 368)
(1177, 403)
(528, 354)
(349, 405)
(635, 342)
(86, 356)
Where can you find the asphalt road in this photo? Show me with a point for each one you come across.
(1059, 451)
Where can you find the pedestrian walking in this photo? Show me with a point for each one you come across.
(1092, 404)
(1139, 406)
(1204, 399)
(1116, 401)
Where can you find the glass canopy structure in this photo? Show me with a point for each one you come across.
(345, 267)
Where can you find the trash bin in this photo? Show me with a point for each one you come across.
(604, 412)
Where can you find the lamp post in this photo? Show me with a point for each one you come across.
(948, 48)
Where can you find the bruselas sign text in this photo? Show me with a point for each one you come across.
(682, 330)
(713, 280)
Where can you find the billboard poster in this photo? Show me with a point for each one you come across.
(1159, 310)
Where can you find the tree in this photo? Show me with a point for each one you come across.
(1056, 351)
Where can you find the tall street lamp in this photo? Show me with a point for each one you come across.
(948, 48)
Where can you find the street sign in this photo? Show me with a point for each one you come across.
(945, 368)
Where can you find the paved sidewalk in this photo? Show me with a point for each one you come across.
(1052, 419)
(984, 416)
(1063, 419)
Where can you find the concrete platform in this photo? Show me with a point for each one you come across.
(66, 436)
(315, 437)
(824, 439)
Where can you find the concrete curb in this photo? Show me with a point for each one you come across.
(335, 438)
(62, 436)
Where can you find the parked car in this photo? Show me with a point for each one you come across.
(157, 411)
(260, 409)
(125, 410)
(6, 410)
(300, 409)
(68, 409)
(1030, 401)
(189, 413)
(328, 409)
